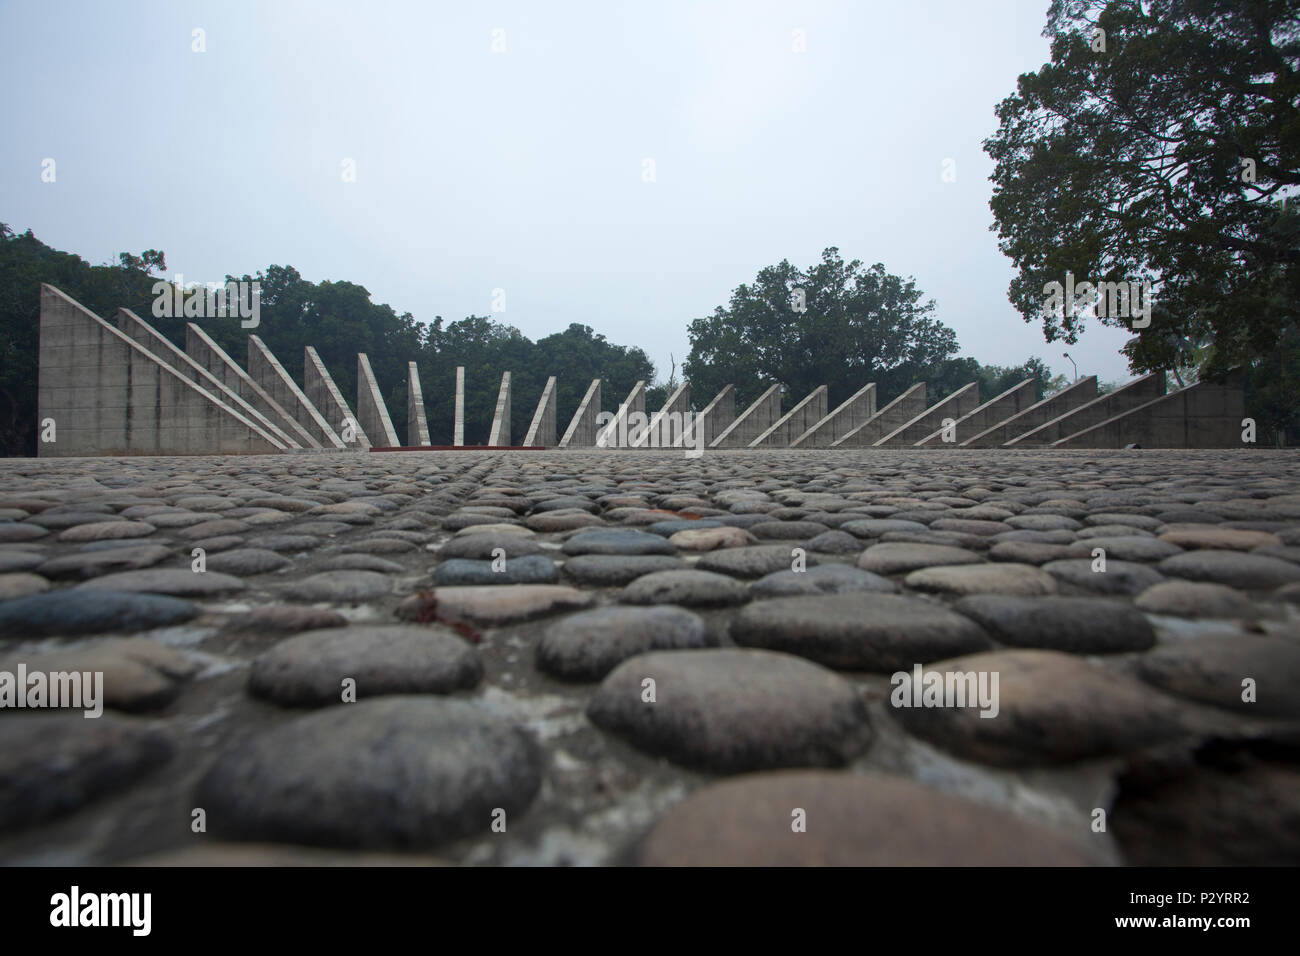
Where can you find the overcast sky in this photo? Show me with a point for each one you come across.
(525, 170)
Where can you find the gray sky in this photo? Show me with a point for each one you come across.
(524, 170)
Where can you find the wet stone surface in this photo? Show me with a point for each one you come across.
(596, 658)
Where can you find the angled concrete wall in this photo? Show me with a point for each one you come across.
(1081, 392)
(162, 347)
(854, 411)
(752, 422)
(542, 430)
(665, 430)
(1103, 408)
(898, 412)
(622, 425)
(999, 408)
(370, 405)
(458, 422)
(712, 420)
(961, 402)
(582, 429)
(795, 422)
(109, 395)
(200, 347)
(265, 369)
(1204, 415)
(417, 425)
(500, 433)
(325, 395)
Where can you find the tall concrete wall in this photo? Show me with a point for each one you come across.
(265, 369)
(619, 428)
(417, 425)
(1204, 415)
(542, 429)
(961, 402)
(665, 430)
(162, 347)
(1080, 393)
(752, 422)
(500, 433)
(200, 347)
(107, 394)
(370, 405)
(712, 420)
(325, 395)
(1126, 398)
(854, 411)
(1011, 402)
(898, 412)
(794, 422)
(582, 429)
(458, 421)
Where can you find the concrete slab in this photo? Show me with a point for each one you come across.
(1103, 408)
(852, 412)
(107, 394)
(961, 402)
(500, 433)
(417, 425)
(794, 422)
(752, 422)
(713, 419)
(1069, 398)
(617, 432)
(898, 412)
(265, 369)
(458, 422)
(200, 347)
(542, 429)
(581, 432)
(325, 395)
(667, 426)
(1204, 415)
(999, 408)
(370, 405)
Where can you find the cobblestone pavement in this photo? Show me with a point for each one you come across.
(607, 658)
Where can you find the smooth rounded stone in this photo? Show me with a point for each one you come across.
(853, 820)
(688, 587)
(669, 528)
(1112, 531)
(246, 561)
(308, 670)
(1286, 553)
(54, 763)
(284, 503)
(739, 521)
(319, 528)
(858, 630)
(479, 547)
(1195, 599)
(1129, 548)
(875, 527)
(285, 542)
(222, 542)
(1144, 522)
(15, 531)
(1028, 552)
(986, 513)
(969, 526)
(1238, 569)
(895, 557)
(58, 520)
(496, 528)
(379, 546)
(73, 612)
(531, 569)
(209, 529)
(21, 584)
(617, 541)
(395, 772)
(1187, 516)
(787, 530)
(285, 619)
(588, 645)
(361, 562)
(207, 503)
(563, 521)
(1036, 537)
(1120, 577)
(11, 561)
(1229, 539)
(709, 539)
(139, 674)
(107, 530)
(752, 562)
(488, 510)
(601, 570)
(343, 510)
(1211, 669)
(998, 578)
(835, 542)
(822, 579)
(90, 564)
(181, 519)
(1079, 625)
(946, 539)
(340, 586)
(1052, 708)
(1043, 522)
(182, 582)
(714, 710)
(565, 503)
(491, 605)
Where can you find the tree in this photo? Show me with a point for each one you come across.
(836, 323)
(1160, 144)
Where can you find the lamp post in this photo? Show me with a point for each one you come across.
(1072, 362)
